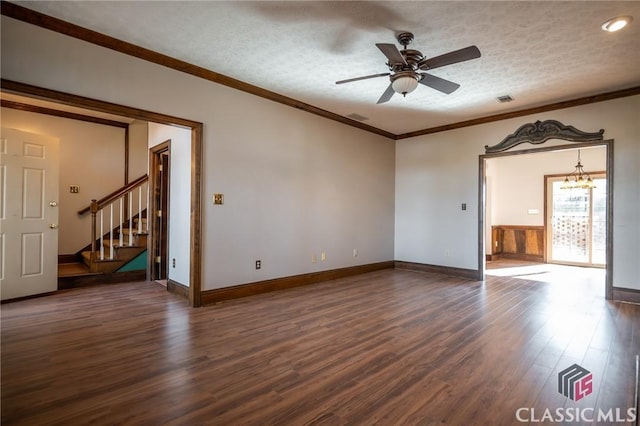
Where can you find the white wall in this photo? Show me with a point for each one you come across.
(518, 182)
(437, 172)
(179, 195)
(295, 184)
(91, 156)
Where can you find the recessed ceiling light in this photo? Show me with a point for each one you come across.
(617, 23)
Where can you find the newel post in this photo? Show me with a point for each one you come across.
(94, 211)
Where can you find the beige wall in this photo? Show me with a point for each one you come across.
(436, 173)
(138, 149)
(295, 184)
(91, 156)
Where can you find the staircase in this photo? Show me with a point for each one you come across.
(117, 252)
(119, 232)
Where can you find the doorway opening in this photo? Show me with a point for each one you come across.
(193, 292)
(159, 170)
(602, 241)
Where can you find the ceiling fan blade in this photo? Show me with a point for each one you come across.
(454, 57)
(362, 78)
(386, 95)
(392, 53)
(440, 84)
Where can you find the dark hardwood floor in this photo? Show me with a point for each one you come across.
(390, 347)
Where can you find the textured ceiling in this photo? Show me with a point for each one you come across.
(537, 52)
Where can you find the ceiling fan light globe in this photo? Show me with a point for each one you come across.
(404, 84)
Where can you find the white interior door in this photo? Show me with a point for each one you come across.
(28, 214)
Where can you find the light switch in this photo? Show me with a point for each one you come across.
(218, 198)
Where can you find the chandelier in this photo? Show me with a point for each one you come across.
(578, 178)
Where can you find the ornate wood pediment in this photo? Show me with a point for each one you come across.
(540, 132)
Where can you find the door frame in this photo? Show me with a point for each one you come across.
(482, 200)
(196, 128)
(548, 227)
(154, 222)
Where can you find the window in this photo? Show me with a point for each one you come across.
(577, 223)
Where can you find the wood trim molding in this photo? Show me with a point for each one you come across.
(227, 293)
(93, 104)
(540, 132)
(436, 269)
(54, 24)
(126, 155)
(177, 288)
(63, 114)
(152, 218)
(523, 112)
(195, 272)
(626, 295)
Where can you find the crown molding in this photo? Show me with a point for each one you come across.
(24, 14)
(528, 111)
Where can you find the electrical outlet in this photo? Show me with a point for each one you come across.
(447, 252)
(464, 206)
(258, 264)
(218, 198)
(74, 189)
(355, 252)
(323, 256)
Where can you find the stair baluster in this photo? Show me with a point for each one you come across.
(131, 218)
(140, 210)
(121, 225)
(102, 234)
(111, 231)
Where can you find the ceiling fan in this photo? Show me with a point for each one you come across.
(404, 66)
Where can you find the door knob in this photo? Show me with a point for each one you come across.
(53, 203)
(53, 226)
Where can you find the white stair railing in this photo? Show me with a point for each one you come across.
(140, 190)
